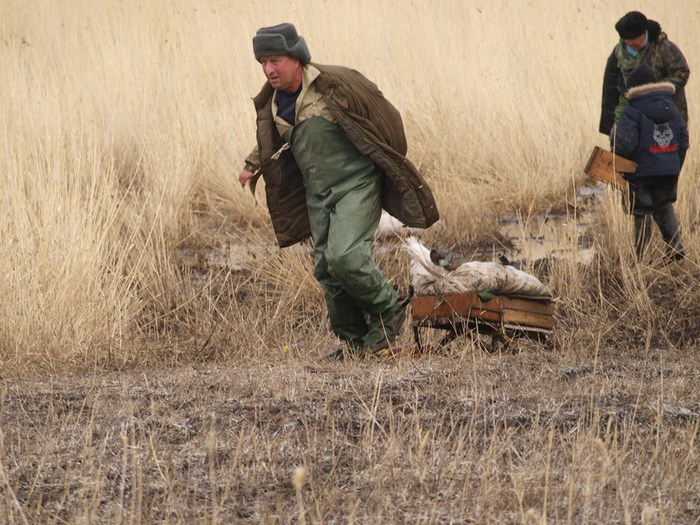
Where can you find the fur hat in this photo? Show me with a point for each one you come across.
(281, 39)
(640, 75)
(632, 25)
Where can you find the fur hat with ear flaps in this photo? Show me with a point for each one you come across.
(281, 39)
(632, 25)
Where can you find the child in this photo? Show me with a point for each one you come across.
(652, 133)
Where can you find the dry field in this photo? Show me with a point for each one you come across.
(154, 341)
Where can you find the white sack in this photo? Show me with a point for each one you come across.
(428, 278)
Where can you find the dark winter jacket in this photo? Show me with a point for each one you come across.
(651, 132)
(664, 57)
(372, 124)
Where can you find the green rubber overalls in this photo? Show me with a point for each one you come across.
(343, 196)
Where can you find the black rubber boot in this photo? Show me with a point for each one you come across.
(667, 222)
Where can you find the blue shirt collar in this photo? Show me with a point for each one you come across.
(634, 52)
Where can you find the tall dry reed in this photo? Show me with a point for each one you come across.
(124, 124)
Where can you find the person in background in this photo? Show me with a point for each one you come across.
(641, 41)
(332, 151)
(651, 132)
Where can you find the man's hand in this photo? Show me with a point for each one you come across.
(244, 177)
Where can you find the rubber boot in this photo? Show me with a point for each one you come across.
(667, 222)
(385, 328)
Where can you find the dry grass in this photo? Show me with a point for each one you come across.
(531, 438)
(148, 377)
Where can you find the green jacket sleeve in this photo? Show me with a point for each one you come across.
(672, 64)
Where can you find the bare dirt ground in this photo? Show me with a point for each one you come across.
(471, 437)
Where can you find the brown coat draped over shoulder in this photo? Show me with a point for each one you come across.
(373, 125)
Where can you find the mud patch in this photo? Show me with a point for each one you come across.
(523, 238)
(556, 235)
(545, 236)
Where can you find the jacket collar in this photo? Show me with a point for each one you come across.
(309, 74)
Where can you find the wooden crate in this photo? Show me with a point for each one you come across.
(499, 317)
(607, 167)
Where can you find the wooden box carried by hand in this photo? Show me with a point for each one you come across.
(607, 167)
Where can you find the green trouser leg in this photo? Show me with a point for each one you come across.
(343, 196)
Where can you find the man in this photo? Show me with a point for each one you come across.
(641, 41)
(652, 133)
(332, 152)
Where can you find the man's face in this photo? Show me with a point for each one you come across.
(283, 72)
(637, 43)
